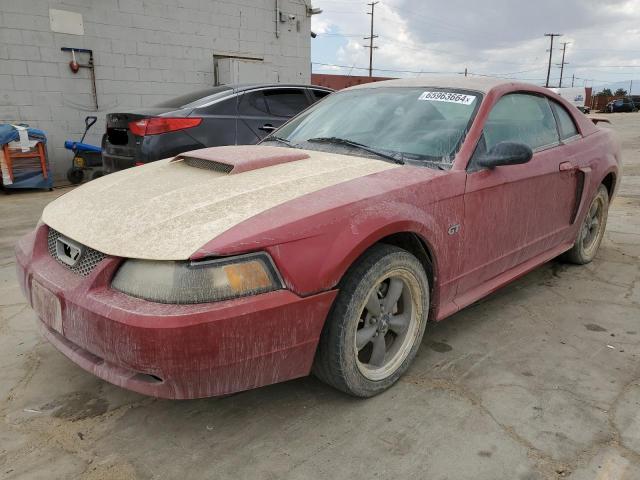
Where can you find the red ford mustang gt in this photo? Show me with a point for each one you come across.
(327, 248)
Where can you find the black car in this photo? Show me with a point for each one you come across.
(223, 115)
(625, 104)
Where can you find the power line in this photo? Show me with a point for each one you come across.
(381, 69)
(468, 58)
(552, 35)
(598, 67)
(422, 72)
(436, 23)
(412, 46)
(371, 37)
(340, 34)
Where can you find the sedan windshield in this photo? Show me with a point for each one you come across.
(409, 125)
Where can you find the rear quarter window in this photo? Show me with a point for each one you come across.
(318, 94)
(193, 99)
(250, 104)
(566, 124)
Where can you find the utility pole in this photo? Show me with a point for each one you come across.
(573, 79)
(370, 38)
(552, 35)
(564, 51)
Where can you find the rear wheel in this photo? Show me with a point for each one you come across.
(377, 322)
(75, 175)
(592, 229)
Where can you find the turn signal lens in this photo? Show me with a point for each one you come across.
(245, 277)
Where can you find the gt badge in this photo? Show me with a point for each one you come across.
(453, 229)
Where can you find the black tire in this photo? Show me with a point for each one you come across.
(75, 175)
(588, 241)
(338, 359)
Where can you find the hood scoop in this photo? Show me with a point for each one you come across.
(233, 159)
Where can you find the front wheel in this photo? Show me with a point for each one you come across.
(592, 229)
(376, 324)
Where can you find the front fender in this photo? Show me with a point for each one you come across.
(318, 262)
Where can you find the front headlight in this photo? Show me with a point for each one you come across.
(184, 282)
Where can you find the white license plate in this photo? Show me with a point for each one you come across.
(47, 306)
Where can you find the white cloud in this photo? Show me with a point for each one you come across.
(492, 37)
(320, 24)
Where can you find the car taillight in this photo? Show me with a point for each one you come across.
(156, 125)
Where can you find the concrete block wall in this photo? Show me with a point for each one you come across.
(145, 51)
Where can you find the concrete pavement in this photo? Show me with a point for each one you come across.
(539, 381)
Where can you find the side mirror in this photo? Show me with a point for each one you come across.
(506, 153)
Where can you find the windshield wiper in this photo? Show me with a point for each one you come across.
(351, 143)
(279, 140)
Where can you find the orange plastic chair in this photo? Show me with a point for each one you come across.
(11, 156)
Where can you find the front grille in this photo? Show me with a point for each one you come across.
(207, 164)
(90, 257)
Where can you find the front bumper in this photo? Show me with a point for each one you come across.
(173, 351)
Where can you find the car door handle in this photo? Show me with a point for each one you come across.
(267, 127)
(566, 166)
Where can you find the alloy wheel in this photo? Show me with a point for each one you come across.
(593, 226)
(387, 326)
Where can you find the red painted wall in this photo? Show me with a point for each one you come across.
(338, 82)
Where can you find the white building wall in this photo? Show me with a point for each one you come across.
(145, 51)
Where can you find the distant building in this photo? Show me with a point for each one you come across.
(338, 82)
(579, 97)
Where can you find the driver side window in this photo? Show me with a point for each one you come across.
(519, 117)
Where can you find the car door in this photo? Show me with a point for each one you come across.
(254, 114)
(515, 212)
(629, 106)
(222, 121)
(266, 109)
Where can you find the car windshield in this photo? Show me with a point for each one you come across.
(413, 125)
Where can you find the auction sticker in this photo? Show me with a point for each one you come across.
(449, 97)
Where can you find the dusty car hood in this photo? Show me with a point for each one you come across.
(167, 210)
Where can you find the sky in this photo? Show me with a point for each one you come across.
(502, 38)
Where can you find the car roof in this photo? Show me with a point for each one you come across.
(200, 98)
(239, 87)
(479, 84)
